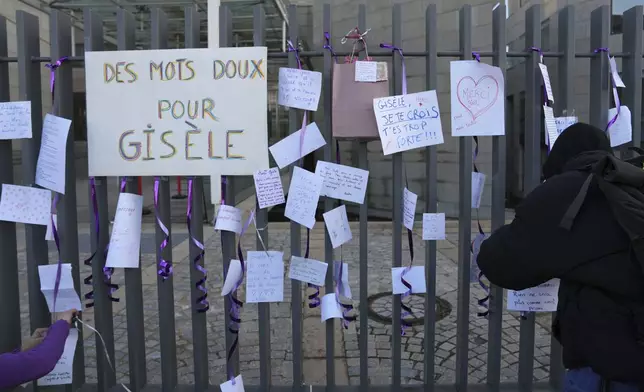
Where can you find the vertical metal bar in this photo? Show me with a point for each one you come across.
(532, 173)
(60, 27)
(632, 69)
(167, 331)
(296, 246)
(464, 223)
(495, 317)
(431, 203)
(133, 277)
(599, 76)
(9, 288)
(102, 304)
(397, 192)
(363, 341)
(199, 328)
(264, 309)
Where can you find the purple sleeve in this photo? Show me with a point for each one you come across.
(19, 368)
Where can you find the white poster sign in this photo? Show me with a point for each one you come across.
(177, 112)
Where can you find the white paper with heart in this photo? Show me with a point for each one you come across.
(478, 99)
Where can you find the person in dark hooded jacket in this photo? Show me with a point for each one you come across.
(600, 315)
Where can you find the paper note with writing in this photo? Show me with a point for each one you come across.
(478, 99)
(342, 182)
(330, 308)
(551, 125)
(303, 197)
(343, 281)
(62, 372)
(50, 169)
(406, 122)
(366, 71)
(265, 276)
(546, 82)
(125, 242)
(615, 73)
(433, 226)
(292, 147)
(562, 124)
(268, 187)
(299, 88)
(478, 185)
(307, 270)
(24, 204)
(415, 277)
(234, 274)
(238, 385)
(229, 218)
(67, 298)
(543, 298)
(621, 132)
(337, 224)
(409, 208)
(49, 235)
(15, 120)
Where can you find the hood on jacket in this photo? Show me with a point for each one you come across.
(577, 139)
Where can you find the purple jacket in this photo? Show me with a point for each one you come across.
(19, 368)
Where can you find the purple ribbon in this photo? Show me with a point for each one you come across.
(327, 45)
(338, 266)
(404, 69)
(107, 271)
(57, 241)
(165, 267)
(292, 48)
(235, 303)
(52, 75)
(476, 56)
(483, 302)
(202, 301)
(314, 299)
(618, 103)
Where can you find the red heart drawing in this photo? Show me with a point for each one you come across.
(477, 96)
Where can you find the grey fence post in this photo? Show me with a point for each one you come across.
(167, 330)
(397, 194)
(532, 172)
(599, 76)
(632, 69)
(9, 278)
(464, 222)
(133, 276)
(495, 317)
(102, 304)
(431, 203)
(296, 246)
(60, 27)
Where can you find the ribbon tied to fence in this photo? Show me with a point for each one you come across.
(165, 266)
(614, 86)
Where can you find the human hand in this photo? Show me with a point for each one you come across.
(35, 339)
(67, 316)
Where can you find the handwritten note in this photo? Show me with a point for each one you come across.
(307, 270)
(406, 122)
(265, 277)
(546, 82)
(415, 277)
(478, 99)
(615, 73)
(67, 298)
(236, 385)
(49, 235)
(342, 278)
(303, 197)
(543, 298)
(24, 204)
(366, 71)
(621, 132)
(15, 120)
(268, 187)
(551, 125)
(229, 218)
(125, 242)
(330, 308)
(342, 182)
(63, 371)
(294, 147)
(562, 124)
(409, 208)
(50, 169)
(478, 185)
(433, 226)
(337, 224)
(233, 276)
(299, 88)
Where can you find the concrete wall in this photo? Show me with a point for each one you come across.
(379, 19)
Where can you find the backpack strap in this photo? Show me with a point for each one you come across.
(570, 215)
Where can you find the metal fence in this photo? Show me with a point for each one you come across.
(30, 66)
